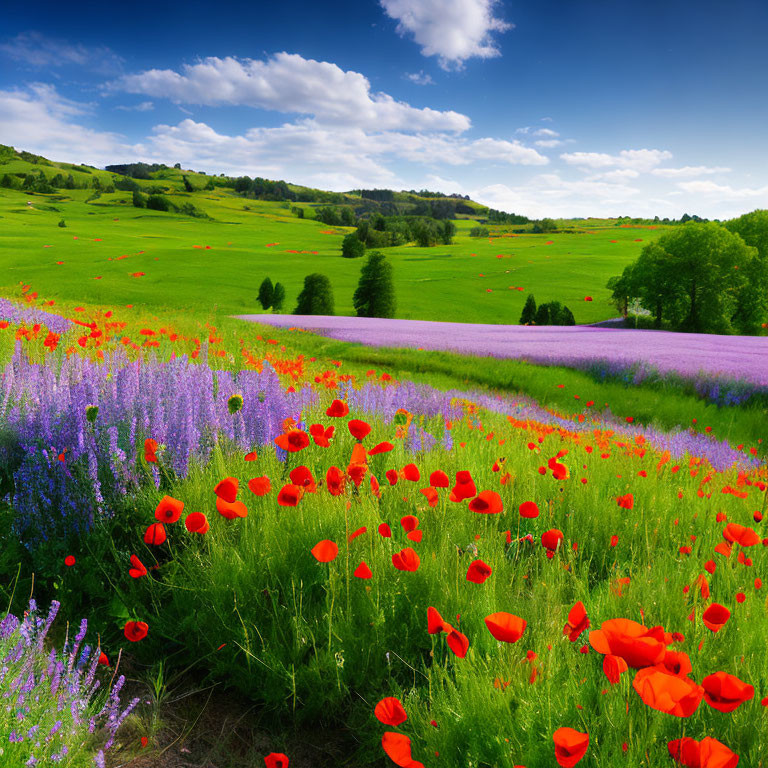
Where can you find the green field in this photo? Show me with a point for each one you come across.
(220, 262)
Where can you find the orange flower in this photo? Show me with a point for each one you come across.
(707, 753)
(169, 510)
(260, 486)
(660, 690)
(613, 667)
(636, 644)
(334, 481)
(337, 409)
(289, 495)
(458, 643)
(226, 489)
(478, 572)
(231, 511)
(398, 749)
(464, 488)
(325, 551)
(155, 535)
(293, 440)
(197, 522)
(577, 622)
(570, 746)
(740, 534)
(138, 569)
(390, 711)
(505, 627)
(406, 560)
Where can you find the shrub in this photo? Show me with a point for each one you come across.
(375, 294)
(528, 314)
(278, 297)
(158, 203)
(266, 293)
(316, 298)
(352, 247)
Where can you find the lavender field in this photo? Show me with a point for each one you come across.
(733, 357)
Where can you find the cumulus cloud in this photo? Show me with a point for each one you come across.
(636, 159)
(420, 78)
(144, 106)
(39, 120)
(452, 30)
(687, 171)
(723, 191)
(546, 132)
(36, 51)
(290, 83)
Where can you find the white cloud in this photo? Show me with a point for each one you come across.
(546, 132)
(144, 106)
(290, 83)
(549, 143)
(723, 191)
(39, 120)
(452, 30)
(687, 171)
(36, 51)
(619, 176)
(420, 78)
(636, 159)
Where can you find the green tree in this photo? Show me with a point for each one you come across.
(158, 203)
(566, 317)
(316, 297)
(448, 231)
(375, 293)
(752, 302)
(542, 315)
(62, 223)
(621, 289)
(266, 293)
(555, 313)
(278, 298)
(187, 186)
(139, 200)
(529, 310)
(351, 247)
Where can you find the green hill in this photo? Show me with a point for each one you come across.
(73, 232)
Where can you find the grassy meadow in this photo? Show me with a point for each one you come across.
(191, 262)
(290, 548)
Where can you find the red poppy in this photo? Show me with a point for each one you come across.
(715, 617)
(478, 572)
(636, 644)
(552, 539)
(707, 753)
(276, 760)
(726, 692)
(406, 560)
(613, 667)
(464, 488)
(289, 495)
(660, 690)
(135, 630)
(390, 711)
(627, 501)
(69, 561)
(411, 472)
(325, 551)
(458, 643)
(231, 511)
(486, 503)
(438, 479)
(334, 481)
(103, 660)
(391, 476)
(385, 531)
(505, 627)
(435, 622)
(226, 489)
(197, 522)
(358, 429)
(529, 509)
(570, 746)
(337, 409)
(577, 622)
(302, 477)
(169, 510)
(260, 486)
(150, 451)
(293, 440)
(138, 570)
(740, 534)
(356, 472)
(409, 523)
(431, 495)
(252, 456)
(677, 662)
(384, 447)
(155, 534)
(362, 571)
(398, 749)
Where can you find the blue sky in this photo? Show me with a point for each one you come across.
(552, 107)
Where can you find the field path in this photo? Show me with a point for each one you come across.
(736, 357)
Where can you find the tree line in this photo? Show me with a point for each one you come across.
(704, 277)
